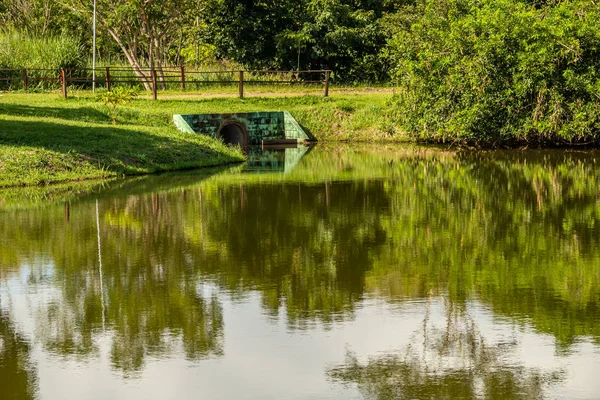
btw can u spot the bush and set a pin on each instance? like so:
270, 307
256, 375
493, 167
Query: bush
499, 71
113, 98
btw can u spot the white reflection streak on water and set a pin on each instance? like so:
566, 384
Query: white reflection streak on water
100, 266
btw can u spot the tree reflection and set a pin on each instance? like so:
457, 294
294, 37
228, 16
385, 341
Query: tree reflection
310, 256
18, 379
146, 298
449, 362
516, 230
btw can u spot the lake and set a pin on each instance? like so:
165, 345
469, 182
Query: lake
337, 272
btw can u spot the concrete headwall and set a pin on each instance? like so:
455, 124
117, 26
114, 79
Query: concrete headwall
260, 125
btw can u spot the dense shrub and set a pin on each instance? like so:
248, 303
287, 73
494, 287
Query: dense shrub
499, 71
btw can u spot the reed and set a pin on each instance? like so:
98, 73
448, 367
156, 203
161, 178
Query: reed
19, 50
43, 57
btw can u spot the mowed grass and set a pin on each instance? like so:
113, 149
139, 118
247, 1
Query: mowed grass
45, 138
354, 116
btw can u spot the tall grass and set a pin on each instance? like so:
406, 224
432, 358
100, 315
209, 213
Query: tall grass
43, 58
19, 50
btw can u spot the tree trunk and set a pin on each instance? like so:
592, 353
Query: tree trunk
132, 59
161, 73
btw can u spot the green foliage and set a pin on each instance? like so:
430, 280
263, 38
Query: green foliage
499, 71
42, 56
245, 30
199, 54
345, 36
41, 18
113, 98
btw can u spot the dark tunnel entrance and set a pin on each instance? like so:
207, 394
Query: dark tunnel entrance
234, 133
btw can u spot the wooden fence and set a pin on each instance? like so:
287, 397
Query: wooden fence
154, 80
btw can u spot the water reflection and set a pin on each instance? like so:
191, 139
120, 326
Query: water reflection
274, 158
448, 358
18, 378
168, 268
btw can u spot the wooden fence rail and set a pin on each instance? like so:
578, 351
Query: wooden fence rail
159, 80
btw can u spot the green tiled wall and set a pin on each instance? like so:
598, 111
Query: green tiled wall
260, 125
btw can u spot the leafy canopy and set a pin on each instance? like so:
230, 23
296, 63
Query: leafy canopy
498, 71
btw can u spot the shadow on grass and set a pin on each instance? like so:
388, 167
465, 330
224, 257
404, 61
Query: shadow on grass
115, 148
311, 136
83, 114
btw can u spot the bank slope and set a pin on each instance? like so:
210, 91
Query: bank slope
44, 144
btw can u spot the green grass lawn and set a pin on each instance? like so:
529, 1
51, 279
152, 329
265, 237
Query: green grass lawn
359, 116
45, 138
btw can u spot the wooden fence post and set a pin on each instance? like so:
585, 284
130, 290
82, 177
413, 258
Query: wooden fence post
326, 83
153, 78
25, 79
63, 76
108, 79
182, 78
241, 84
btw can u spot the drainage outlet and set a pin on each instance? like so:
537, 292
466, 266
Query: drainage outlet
234, 133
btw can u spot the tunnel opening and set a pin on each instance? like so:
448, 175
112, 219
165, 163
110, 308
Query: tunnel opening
234, 133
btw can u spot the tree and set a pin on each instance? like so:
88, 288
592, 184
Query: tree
34, 17
146, 31
343, 35
246, 30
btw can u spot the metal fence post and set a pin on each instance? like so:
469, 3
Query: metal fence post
108, 79
63, 75
241, 84
25, 79
153, 78
182, 77
326, 83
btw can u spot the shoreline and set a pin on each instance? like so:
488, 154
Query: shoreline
45, 139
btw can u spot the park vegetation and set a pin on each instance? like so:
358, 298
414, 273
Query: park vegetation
499, 71
465, 71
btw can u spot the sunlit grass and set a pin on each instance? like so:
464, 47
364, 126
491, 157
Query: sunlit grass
45, 139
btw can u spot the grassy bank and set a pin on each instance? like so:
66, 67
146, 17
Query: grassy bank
356, 116
46, 139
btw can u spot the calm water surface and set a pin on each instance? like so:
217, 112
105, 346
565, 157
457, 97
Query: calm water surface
336, 273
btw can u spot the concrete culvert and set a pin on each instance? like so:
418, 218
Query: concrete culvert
234, 133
